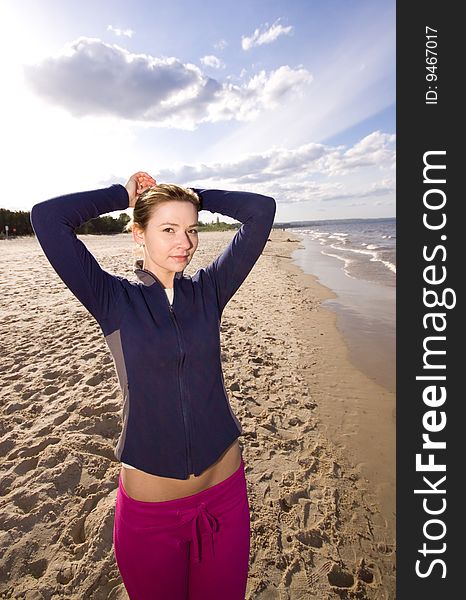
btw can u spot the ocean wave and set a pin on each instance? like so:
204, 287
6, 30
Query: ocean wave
347, 262
341, 237
375, 256
388, 264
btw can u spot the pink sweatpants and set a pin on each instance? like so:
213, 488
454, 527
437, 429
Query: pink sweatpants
191, 548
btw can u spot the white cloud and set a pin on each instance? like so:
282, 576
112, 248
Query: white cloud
263, 91
267, 36
91, 77
212, 61
300, 174
376, 149
301, 162
121, 32
221, 45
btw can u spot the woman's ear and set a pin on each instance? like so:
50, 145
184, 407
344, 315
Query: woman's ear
137, 235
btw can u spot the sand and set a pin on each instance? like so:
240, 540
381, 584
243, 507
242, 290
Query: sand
318, 444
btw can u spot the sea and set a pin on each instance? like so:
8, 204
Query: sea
356, 259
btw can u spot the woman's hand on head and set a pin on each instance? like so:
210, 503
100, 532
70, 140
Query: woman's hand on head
136, 184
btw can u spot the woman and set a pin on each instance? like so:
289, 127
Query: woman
182, 523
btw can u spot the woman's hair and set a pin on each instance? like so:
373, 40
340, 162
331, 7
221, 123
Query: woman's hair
156, 195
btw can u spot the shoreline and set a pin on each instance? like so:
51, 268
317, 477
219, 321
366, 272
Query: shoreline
356, 424
365, 312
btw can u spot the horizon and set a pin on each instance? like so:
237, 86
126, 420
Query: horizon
291, 100
310, 221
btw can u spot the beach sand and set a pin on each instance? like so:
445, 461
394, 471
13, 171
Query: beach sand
319, 443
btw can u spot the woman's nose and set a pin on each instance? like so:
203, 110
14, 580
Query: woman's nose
185, 241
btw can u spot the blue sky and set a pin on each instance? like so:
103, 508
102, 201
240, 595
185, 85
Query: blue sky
290, 99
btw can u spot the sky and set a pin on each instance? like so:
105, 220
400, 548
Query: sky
291, 99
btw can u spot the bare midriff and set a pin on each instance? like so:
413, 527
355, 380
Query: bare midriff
143, 486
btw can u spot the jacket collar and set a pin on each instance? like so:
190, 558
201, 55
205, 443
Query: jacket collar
147, 277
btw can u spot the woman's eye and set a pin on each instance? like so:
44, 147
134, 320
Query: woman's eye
194, 231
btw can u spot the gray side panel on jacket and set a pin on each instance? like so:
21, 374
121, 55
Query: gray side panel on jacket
233, 416
114, 343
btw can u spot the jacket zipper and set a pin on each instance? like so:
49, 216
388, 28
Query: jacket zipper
184, 407
180, 365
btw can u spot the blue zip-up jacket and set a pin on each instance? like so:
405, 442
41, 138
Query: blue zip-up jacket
176, 417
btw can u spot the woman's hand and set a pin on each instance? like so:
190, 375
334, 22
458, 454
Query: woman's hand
136, 184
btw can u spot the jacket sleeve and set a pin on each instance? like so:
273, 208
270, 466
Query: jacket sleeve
54, 222
256, 213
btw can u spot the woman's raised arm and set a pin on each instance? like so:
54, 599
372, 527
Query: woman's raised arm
54, 222
256, 213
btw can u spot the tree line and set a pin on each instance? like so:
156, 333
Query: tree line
18, 223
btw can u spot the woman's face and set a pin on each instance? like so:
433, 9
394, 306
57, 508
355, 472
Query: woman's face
170, 239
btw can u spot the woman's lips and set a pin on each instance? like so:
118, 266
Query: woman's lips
179, 258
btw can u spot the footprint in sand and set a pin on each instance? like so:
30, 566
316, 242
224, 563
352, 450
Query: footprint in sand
311, 537
60, 419
33, 450
95, 379
50, 389
51, 374
36, 568
28, 393
364, 573
26, 502
66, 476
289, 500
14, 407
26, 465
73, 379
338, 577
6, 445
79, 532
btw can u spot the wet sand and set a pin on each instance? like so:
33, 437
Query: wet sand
365, 309
318, 444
